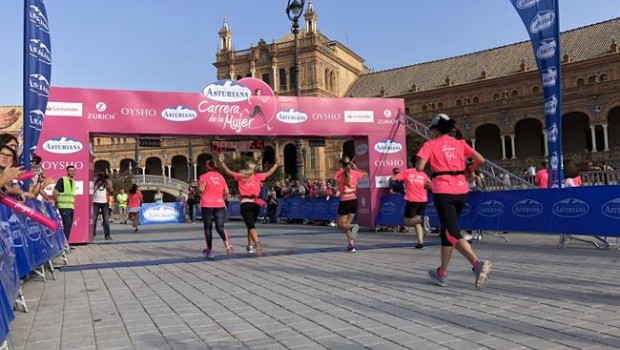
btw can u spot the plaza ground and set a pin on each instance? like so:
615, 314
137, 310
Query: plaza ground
154, 290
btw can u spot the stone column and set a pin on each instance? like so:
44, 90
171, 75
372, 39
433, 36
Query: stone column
503, 147
473, 143
195, 171
606, 137
512, 144
545, 143
593, 132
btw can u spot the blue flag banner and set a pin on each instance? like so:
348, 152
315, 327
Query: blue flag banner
542, 20
37, 76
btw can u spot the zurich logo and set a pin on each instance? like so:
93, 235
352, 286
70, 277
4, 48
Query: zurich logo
161, 213
62, 145
546, 49
527, 208
361, 149
387, 113
38, 18
551, 105
388, 146
179, 114
570, 208
549, 76
524, 4
491, 208
39, 51
542, 21
292, 116
388, 208
36, 119
227, 91
611, 209
39, 84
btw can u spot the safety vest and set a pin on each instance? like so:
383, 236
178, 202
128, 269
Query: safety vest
122, 200
66, 199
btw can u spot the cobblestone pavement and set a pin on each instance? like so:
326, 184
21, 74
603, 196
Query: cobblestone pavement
154, 290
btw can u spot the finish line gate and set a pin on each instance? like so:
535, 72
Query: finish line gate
247, 107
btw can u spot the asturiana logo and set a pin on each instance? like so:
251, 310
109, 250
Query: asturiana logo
527, 208
179, 114
388, 208
524, 4
542, 21
611, 209
546, 49
38, 18
388, 146
549, 76
161, 213
227, 91
361, 149
552, 132
551, 105
36, 119
62, 145
292, 116
570, 208
466, 210
39, 51
491, 208
39, 84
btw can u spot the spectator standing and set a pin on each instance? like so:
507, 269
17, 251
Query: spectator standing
447, 157
397, 187
541, 179
191, 202
121, 199
158, 197
64, 192
102, 187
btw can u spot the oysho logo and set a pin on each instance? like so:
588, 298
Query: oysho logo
611, 209
39, 51
227, 91
491, 208
326, 116
179, 114
47, 165
523, 4
101, 107
292, 116
527, 208
138, 112
35, 119
359, 116
38, 18
546, 49
161, 213
63, 145
39, 84
551, 105
388, 147
549, 76
570, 208
542, 21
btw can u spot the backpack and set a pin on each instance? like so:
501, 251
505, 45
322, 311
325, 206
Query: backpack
264, 193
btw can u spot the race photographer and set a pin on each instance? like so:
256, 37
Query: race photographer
101, 190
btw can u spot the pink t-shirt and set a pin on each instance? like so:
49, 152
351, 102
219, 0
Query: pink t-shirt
446, 153
215, 187
348, 192
415, 182
134, 200
542, 178
249, 186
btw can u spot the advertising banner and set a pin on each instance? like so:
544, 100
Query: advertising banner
162, 213
542, 20
37, 76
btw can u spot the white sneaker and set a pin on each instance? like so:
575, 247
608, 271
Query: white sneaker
468, 237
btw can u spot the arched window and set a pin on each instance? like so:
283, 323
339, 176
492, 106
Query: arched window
440, 105
535, 90
332, 81
592, 79
495, 96
459, 102
326, 79
581, 82
515, 93
424, 108
476, 99
602, 78
239, 77
282, 79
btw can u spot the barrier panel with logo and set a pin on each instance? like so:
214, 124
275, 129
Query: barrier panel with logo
246, 109
162, 213
588, 210
392, 211
298, 208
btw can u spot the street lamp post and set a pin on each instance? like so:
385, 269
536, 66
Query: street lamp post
294, 9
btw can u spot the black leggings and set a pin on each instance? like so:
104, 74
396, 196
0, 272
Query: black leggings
449, 208
208, 214
249, 213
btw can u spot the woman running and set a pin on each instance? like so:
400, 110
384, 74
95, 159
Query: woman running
249, 194
347, 178
447, 157
134, 203
214, 190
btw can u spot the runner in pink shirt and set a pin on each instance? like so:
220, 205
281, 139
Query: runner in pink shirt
447, 156
347, 179
214, 190
416, 185
134, 203
541, 179
249, 194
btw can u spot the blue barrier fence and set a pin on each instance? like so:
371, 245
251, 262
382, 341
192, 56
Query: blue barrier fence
162, 213
24, 246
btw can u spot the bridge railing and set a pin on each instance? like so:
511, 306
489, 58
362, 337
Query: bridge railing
160, 180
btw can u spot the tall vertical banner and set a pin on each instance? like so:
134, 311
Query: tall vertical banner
37, 75
542, 20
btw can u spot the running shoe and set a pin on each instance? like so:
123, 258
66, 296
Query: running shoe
259, 248
351, 249
438, 280
482, 270
420, 246
354, 229
229, 248
250, 249
468, 237
208, 253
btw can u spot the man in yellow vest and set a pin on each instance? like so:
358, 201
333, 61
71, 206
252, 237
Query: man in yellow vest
64, 192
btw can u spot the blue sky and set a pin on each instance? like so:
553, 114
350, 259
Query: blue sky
170, 45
